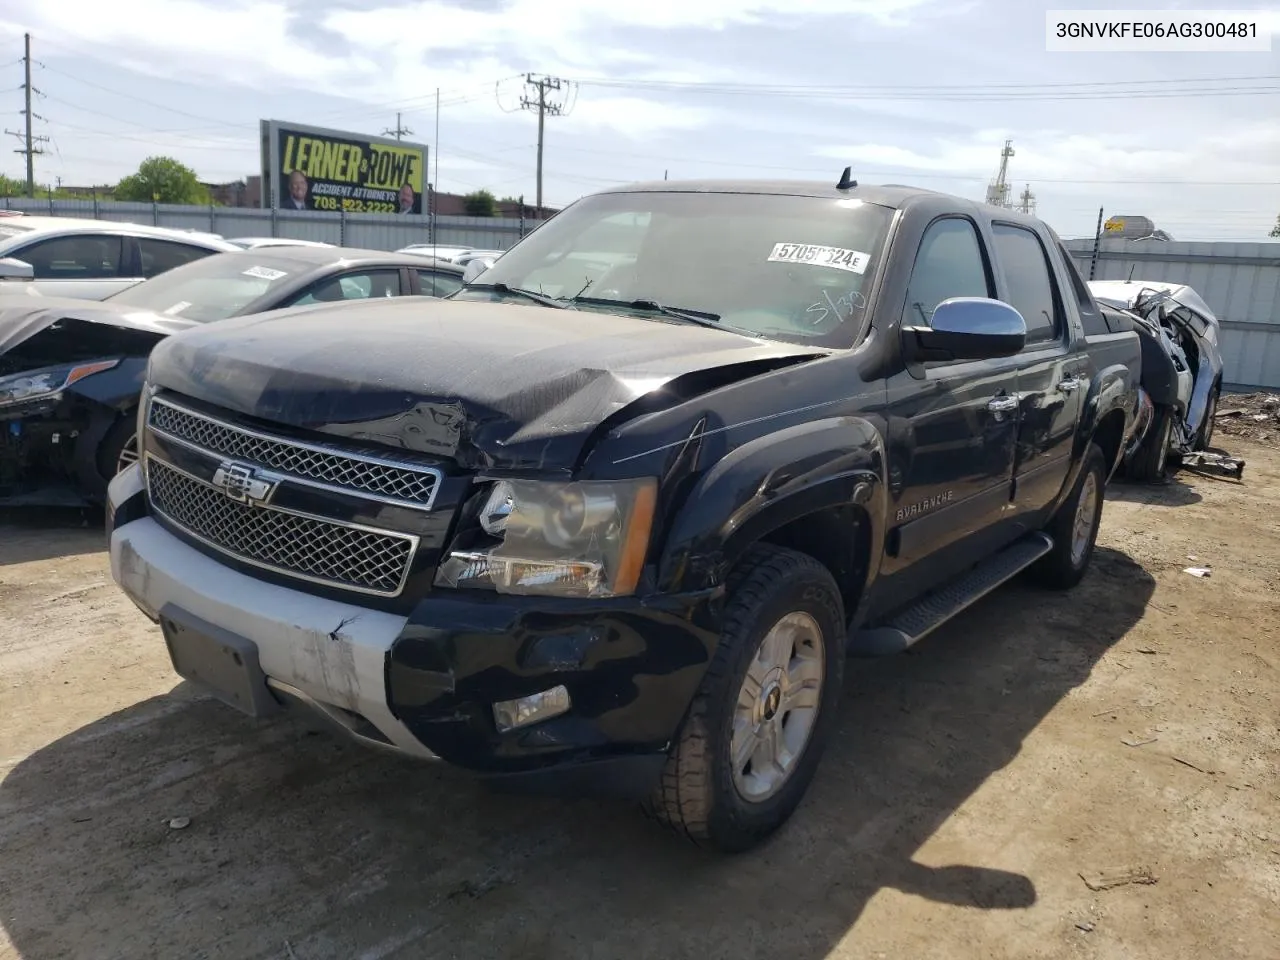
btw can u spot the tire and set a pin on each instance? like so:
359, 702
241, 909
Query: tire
702, 793
117, 449
1074, 527
1150, 464
1204, 436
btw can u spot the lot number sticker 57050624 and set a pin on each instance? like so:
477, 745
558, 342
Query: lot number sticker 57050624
838, 258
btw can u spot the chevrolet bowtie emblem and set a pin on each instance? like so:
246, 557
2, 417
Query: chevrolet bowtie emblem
241, 483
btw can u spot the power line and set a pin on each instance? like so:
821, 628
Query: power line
1022, 85
398, 131
31, 144
544, 107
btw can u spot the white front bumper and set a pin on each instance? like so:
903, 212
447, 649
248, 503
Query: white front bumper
335, 653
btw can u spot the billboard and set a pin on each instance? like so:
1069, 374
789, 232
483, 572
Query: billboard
314, 168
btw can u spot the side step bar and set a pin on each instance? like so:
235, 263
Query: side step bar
912, 624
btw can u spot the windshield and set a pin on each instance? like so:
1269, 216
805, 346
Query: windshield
782, 267
211, 288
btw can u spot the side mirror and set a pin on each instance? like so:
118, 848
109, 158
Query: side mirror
476, 267
11, 268
967, 328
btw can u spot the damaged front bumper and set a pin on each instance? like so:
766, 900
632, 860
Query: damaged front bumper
427, 684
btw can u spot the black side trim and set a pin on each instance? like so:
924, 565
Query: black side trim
934, 531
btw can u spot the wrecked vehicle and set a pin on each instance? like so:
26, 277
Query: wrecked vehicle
71, 369
611, 519
1181, 370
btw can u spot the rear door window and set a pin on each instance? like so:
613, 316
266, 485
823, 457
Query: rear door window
438, 284
357, 285
1032, 291
161, 255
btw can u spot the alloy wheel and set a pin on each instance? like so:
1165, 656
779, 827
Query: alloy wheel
777, 706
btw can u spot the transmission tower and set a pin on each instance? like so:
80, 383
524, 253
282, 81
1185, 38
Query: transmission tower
398, 131
538, 100
1027, 201
31, 144
998, 189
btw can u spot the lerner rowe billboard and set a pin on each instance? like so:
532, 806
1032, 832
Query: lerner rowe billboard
313, 168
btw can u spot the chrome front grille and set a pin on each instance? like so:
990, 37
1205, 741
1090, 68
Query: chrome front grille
315, 549
401, 482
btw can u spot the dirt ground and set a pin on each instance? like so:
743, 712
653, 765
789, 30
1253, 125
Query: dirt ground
1128, 726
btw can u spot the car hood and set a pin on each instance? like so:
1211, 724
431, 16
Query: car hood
485, 384
22, 317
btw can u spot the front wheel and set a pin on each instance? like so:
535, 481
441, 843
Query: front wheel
1204, 436
117, 451
1150, 463
759, 723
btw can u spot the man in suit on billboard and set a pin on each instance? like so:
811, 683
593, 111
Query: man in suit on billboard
407, 199
298, 186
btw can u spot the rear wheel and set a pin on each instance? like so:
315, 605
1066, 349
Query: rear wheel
1074, 528
760, 721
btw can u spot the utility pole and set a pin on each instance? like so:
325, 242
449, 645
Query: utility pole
545, 108
30, 142
398, 131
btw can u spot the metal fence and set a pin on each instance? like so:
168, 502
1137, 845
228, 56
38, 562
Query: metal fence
1239, 281
367, 230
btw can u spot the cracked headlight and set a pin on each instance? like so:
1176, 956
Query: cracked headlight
558, 539
47, 381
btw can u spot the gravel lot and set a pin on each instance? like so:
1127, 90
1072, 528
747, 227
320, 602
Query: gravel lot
1128, 728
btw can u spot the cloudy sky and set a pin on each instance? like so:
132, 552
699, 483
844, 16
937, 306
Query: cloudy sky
907, 91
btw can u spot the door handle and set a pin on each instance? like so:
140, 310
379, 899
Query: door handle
1069, 385
1003, 404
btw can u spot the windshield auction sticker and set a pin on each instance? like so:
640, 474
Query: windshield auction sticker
837, 258
264, 273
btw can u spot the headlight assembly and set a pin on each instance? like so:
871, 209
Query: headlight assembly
47, 381
559, 539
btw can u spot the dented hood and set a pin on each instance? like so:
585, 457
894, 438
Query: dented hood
486, 384
22, 317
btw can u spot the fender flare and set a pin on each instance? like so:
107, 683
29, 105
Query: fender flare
766, 483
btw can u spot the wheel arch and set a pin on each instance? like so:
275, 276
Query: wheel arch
817, 488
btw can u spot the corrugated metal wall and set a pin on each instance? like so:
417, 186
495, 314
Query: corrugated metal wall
1240, 281
368, 230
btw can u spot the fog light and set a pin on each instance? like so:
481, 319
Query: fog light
513, 714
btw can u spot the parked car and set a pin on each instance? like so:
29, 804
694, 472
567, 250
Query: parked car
612, 519
70, 370
92, 259
432, 250
256, 243
1181, 369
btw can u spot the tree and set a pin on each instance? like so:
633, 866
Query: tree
1275, 231
163, 180
479, 204
10, 187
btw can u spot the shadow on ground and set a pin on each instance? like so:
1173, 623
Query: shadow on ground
1175, 492
302, 846
31, 534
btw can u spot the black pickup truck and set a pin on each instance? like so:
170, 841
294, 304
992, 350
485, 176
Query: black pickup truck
611, 518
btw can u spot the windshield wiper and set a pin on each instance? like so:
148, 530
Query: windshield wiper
700, 317
521, 292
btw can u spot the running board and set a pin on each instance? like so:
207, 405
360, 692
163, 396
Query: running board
922, 618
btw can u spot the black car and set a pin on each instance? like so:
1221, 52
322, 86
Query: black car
71, 369
611, 517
